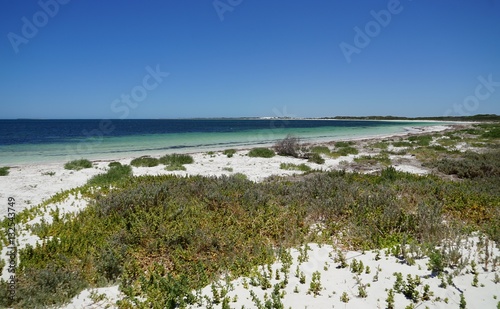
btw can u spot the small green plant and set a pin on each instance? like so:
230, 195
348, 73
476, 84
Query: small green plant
344, 297
228, 169
316, 158
315, 285
463, 303
261, 152
475, 281
114, 164
175, 167
77, 165
399, 283
298, 167
390, 299
302, 278
145, 161
362, 291
176, 159
341, 259
436, 263
114, 174
48, 173
4, 171
229, 152
321, 149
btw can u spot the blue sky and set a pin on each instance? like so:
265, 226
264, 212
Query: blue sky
231, 58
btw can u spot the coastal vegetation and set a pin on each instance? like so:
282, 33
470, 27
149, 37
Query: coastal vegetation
229, 152
4, 171
77, 165
162, 238
261, 152
145, 161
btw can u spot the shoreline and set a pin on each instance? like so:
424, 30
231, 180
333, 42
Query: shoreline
116, 148
33, 183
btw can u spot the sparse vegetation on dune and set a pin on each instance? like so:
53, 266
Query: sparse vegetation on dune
77, 165
163, 237
145, 161
261, 152
4, 171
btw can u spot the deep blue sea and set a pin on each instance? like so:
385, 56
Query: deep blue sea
30, 141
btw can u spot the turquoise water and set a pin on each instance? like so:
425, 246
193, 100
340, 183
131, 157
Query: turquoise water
128, 145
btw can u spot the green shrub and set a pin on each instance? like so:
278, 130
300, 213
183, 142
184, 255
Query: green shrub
421, 140
46, 287
175, 167
4, 171
380, 145
316, 158
116, 172
229, 152
261, 152
114, 164
492, 133
299, 167
145, 161
321, 150
471, 165
382, 158
77, 165
176, 159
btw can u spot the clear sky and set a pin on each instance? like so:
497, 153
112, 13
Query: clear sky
231, 58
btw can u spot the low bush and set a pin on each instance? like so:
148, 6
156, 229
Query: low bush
344, 151
145, 161
77, 165
176, 159
471, 165
421, 140
175, 167
229, 152
379, 158
316, 158
289, 146
4, 171
116, 172
299, 167
344, 144
321, 150
114, 164
380, 145
261, 152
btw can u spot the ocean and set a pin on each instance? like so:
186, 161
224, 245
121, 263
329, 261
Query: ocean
36, 141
